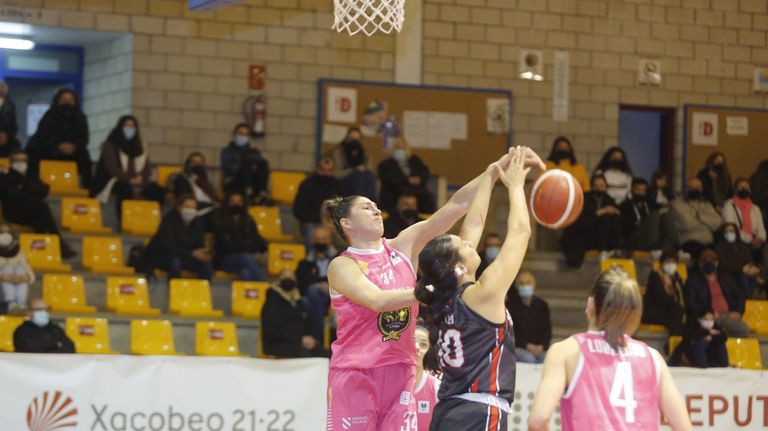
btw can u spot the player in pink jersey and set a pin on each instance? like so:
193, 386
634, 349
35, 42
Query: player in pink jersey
604, 379
427, 385
373, 363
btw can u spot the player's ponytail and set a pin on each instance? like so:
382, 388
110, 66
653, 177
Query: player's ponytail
337, 208
436, 288
618, 306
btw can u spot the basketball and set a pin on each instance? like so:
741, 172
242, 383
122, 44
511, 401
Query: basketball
556, 199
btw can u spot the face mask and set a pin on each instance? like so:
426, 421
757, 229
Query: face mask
235, 209
40, 318
320, 248
241, 140
188, 214
708, 267
670, 268
743, 193
707, 324
198, 170
399, 155
638, 198
561, 155
730, 237
694, 194
718, 168
616, 164
129, 132
599, 193
492, 252
411, 214
287, 284
5, 239
20, 167
525, 290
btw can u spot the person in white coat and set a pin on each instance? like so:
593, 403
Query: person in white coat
741, 211
15, 272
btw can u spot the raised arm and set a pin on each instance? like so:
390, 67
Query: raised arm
472, 228
346, 278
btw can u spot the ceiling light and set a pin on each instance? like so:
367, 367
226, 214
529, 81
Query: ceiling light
11, 43
15, 28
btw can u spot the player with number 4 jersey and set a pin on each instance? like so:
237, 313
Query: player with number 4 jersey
604, 379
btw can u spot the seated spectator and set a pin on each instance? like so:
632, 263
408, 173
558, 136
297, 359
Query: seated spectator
404, 172
312, 279
15, 273
406, 214
489, 252
735, 259
618, 176
352, 171
179, 242
286, 331
747, 216
533, 328
62, 134
243, 167
694, 219
193, 180
23, 198
660, 194
8, 123
123, 169
562, 157
716, 180
39, 334
759, 184
8, 145
664, 298
703, 343
640, 225
237, 240
312, 192
598, 226
709, 288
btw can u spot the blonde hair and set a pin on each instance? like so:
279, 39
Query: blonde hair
618, 305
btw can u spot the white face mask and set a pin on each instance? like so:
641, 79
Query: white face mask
707, 324
670, 268
730, 237
241, 140
525, 290
188, 214
20, 167
40, 318
5, 239
129, 132
399, 155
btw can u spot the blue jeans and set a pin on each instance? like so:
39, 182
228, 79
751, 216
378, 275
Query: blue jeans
523, 355
316, 304
174, 264
244, 265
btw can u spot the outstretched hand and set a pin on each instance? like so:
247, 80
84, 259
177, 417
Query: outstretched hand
515, 172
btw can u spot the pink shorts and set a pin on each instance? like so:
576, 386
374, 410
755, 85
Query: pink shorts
371, 399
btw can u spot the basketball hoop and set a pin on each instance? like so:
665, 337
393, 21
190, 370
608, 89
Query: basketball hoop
368, 16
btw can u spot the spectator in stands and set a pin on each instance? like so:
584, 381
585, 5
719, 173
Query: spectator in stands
703, 343
598, 226
39, 334
123, 169
404, 172
286, 329
244, 169
8, 145
741, 211
664, 298
23, 198
352, 171
735, 258
406, 214
15, 273
716, 180
533, 328
640, 225
237, 240
614, 166
62, 134
8, 122
660, 197
562, 157
759, 184
312, 279
312, 192
489, 251
179, 243
193, 180
694, 219
707, 287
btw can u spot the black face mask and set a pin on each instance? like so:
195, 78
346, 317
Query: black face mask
561, 155
287, 284
320, 248
743, 193
638, 198
708, 267
718, 168
236, 209
694, 195
616, 164
411, 214
198, 170
598, 193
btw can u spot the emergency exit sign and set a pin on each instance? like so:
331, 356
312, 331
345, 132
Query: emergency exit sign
210, 5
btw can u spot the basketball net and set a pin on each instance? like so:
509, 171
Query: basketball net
368, 16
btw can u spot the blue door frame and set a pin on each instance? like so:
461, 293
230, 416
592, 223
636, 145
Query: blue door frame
75, 79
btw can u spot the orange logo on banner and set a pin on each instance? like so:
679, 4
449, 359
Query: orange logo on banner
52, 411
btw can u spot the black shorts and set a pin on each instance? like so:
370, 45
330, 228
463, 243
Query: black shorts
456, 414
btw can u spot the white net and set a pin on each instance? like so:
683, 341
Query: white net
368, 16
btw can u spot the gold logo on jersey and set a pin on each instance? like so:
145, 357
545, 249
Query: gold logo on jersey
363, 266
393, 323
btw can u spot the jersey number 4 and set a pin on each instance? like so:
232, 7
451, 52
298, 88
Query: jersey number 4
451, 349
622, 391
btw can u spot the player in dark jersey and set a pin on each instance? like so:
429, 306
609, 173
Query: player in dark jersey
470, 329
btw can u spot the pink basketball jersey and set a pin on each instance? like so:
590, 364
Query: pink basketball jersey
425, 396
612, 391
366, 339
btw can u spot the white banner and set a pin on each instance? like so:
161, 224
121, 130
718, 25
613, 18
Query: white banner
168, 393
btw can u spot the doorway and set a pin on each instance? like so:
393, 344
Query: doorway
647, 135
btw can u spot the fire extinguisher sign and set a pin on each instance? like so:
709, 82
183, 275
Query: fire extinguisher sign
705, 128
257, 76
342, 105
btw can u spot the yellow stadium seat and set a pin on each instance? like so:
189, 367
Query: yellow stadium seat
268, 222
43, 252
62, 177
659, 329
190, 297
90, 335
756, 316
216, 339
628, 265
744, 353
5, 163
104, 255
682, 269
282, 256
165, 172
140, 217
129, 295
152, 337
8, 325
65, 293
284, 185
674, 341
248, 297
82, 215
